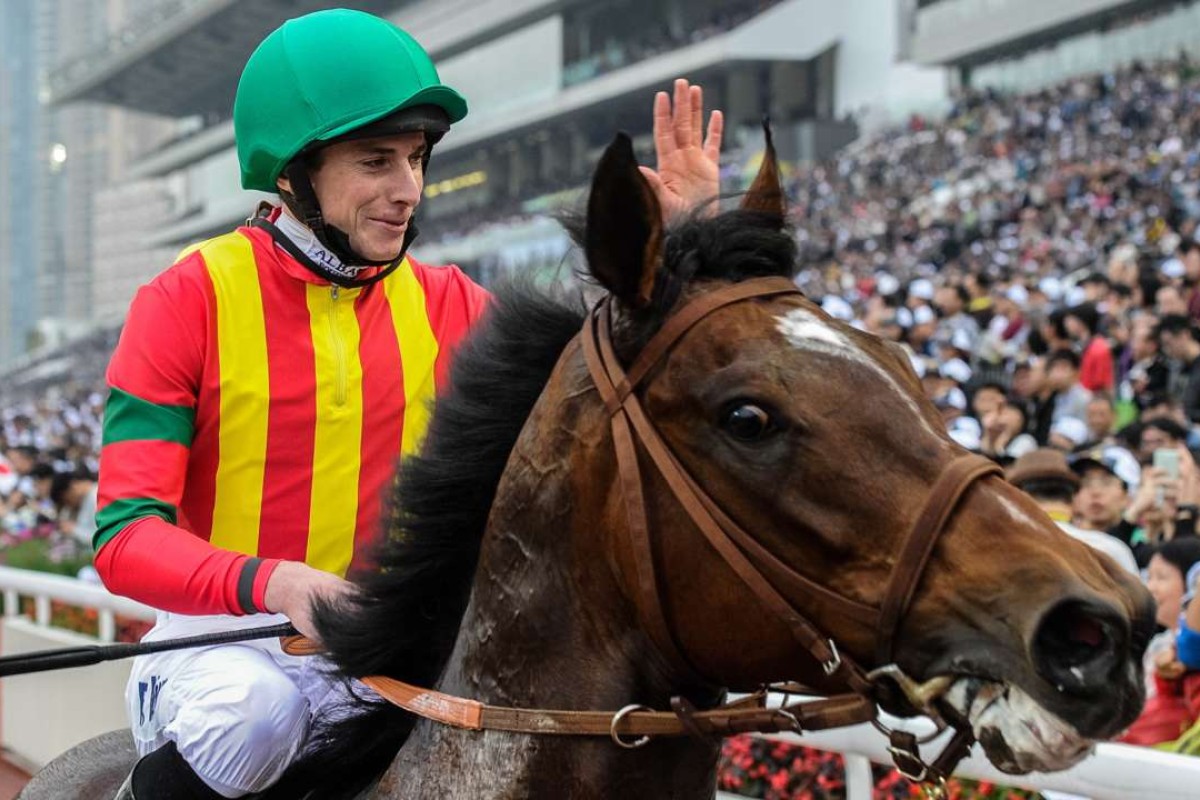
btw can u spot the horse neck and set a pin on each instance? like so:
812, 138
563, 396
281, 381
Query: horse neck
548, 627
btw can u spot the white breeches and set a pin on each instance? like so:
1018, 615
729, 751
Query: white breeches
239, 714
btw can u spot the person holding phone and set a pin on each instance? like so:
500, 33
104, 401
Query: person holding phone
1163, 507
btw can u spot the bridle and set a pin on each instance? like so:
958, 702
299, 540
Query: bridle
763, 573
760, 570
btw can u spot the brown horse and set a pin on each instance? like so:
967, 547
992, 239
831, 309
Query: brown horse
510, 576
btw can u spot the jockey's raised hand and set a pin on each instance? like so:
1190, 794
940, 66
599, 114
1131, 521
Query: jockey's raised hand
688, 158
294, 586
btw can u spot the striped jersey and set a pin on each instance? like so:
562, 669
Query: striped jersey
260, 409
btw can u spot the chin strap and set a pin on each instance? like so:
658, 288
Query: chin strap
309, 207
327, 271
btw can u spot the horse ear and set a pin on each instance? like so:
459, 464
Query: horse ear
623, 239
766, 192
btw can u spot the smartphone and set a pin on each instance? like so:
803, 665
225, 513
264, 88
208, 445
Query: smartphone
1167, 459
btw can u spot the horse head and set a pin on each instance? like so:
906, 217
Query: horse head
815, 442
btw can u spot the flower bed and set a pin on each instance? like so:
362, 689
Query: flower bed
755, 767
58, 554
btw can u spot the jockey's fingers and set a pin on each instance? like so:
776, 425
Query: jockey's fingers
664, 134
712, 141
682, 117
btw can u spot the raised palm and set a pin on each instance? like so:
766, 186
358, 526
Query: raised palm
688, 160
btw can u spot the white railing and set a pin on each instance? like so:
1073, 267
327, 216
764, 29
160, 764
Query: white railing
1114, 772
43, 714
45, 588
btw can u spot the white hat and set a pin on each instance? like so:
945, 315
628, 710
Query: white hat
956, 370
1017, 294
967, 432
952, 398
960, 339
837, 308
922, 315
1115, 459
1051, 287
886, 283
1072, 428
921, 288
1172, 268
904, 317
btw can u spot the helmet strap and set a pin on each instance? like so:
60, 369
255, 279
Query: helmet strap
322, 270
308, 208
336, 240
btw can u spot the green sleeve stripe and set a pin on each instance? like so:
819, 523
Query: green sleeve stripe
113, 518
127, 418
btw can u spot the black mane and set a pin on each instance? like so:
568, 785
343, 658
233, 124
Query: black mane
406, 620
732, 246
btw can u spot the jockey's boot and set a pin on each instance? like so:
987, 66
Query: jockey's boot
164, 775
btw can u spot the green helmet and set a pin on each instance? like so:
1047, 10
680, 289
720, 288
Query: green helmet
323, 75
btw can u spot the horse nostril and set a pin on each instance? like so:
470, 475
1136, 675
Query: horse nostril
1076, 646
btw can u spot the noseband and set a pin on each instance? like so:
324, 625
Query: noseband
771, 580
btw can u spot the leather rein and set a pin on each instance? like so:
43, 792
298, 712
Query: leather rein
763, 573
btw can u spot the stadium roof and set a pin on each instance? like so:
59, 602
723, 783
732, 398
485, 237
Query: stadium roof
970, 32
184, 56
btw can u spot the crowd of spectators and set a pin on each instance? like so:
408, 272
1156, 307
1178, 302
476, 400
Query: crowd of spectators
1038, 257
49, 450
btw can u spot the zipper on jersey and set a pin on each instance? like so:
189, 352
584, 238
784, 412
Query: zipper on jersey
339, 356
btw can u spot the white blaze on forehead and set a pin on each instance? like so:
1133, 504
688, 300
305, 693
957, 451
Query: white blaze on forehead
800, 325
807, 331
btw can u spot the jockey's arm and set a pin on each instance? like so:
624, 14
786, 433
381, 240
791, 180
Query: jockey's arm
141, 550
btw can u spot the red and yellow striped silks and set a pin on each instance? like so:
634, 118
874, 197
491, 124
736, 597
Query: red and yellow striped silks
262, 409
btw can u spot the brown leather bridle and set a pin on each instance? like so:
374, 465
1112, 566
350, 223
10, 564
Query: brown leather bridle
761, 571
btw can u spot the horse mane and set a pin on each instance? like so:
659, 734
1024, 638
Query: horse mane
405, 620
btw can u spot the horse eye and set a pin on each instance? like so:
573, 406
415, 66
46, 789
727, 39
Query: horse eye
748, 423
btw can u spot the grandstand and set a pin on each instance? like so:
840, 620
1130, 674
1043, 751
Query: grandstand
549, 82
1026, 44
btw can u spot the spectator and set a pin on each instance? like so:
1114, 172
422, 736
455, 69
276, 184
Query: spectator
1062, 378
1046, 476
1003, 436
956, 326
1096, 363
1162, 508
1101, 420
1148, 374
1178, 342
1104, 483
74, 499
1169, 302
1158, 433
1173, 697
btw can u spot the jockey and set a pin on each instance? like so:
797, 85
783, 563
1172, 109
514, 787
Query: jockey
265, 384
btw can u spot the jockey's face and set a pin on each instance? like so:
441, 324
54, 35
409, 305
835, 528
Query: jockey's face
369, 188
